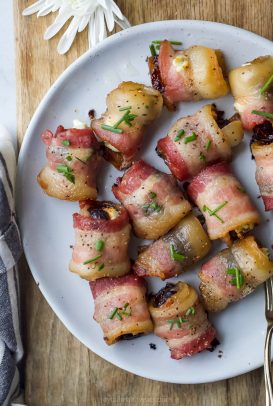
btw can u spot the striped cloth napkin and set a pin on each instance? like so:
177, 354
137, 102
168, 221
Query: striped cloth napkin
10, 250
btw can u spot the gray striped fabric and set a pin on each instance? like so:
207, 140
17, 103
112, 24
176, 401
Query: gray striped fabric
10, 251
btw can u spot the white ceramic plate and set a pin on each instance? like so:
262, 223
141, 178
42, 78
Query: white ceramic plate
46, 223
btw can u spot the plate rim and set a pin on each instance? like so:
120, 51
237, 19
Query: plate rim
22, 154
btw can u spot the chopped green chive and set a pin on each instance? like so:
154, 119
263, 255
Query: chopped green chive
67, 172
208, 145
238, 279
127, 118
179, 135
69, 158
66, 143
152, 195
266, 85
190, 138
113, 313
101, 266
191, 311
214, 211
202, 157
125, 108
152, 49
177, 321
83, 162
112, 129
176, 255
171, 42
120, 312
151, 207
99, 245
262, 113
92, 260
241, 189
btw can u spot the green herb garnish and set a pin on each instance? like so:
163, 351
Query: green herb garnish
176, 255
190, 138
191, 311
202, 157
125, 108
92, 260
127, 118
112, 129
101, 266
152, 49
179, 135
208, 145
121, 312
67, 172
171, 42
66, 143
214, 211
152, 207
266, 85
69, 158
238, 279
113, 313
83, 162
262, 113
152, 195
99, 245
177, 321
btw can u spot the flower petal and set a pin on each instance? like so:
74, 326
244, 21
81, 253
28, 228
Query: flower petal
109, 19
33, 8
55, 27
69, 36
83, 22
123, 23
46, 9
116, 10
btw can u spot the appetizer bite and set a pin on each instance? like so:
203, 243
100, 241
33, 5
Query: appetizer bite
196, 141
234, 273
73, 161
172, 254
102, 232
262, 150
192, 74
154, 202
130, 107
227, 209
251, 88
180, 319
121, 308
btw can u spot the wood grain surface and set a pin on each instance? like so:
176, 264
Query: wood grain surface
58, 369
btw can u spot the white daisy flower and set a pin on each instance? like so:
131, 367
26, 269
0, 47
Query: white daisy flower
96, 14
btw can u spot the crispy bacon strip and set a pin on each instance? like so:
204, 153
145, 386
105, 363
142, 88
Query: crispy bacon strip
219, 283
196, 141
246, 83
154, 202
102, 232
121, 307
180, 319
191, 74
73, 161
223, 201
262, 150
144, 105
172, 254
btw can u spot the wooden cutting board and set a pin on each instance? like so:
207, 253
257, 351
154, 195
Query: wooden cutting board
58, 369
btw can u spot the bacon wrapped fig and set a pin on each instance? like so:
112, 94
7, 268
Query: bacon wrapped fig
262, 150
196, 141
192, 74
130, 107
121, 308
223, 201
179, 318
172, 254
102, 233
73, 160
234, 273
154, 202
250, 86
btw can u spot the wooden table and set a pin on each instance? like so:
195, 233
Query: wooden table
59, 370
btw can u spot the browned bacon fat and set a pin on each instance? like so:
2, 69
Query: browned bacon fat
121, 307
192, 74
154, 202
102, 232
196, 141
73, 160
262, 150
249, 87
234, 273
223, 202
172, 254
130, 107
180, 319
